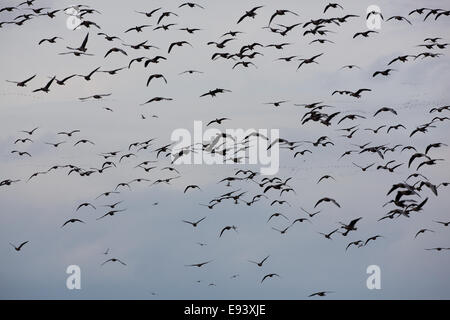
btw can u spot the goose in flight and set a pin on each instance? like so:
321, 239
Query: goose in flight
227, 228
83, 47
49, 40
350, 227
440, 109
62, 82
114, 260
36, 174
259, 264
401, 59
350, 67
214, 92
325, 177
84, 141
192, 186
72, 221
433, 12
303, 152
385, 109
113, 71
277, 103
434, 145
277, 214
127, 156
333, 6
20, 246
156, 99
194, 224
320, 293
150, 13
300, 220
375, 131
189, 72
445, 224
156, 76
115, 50
356, 94
29, 3
326, 199
429, 163
107, 194
280, 202
220, 45
442, 13
107, 37
95, 96
7, 182
217, 120
46, 88
22, 83
270, 275
178, 44
191, 30
138, 28
245, 64
165, 15
281, 13
111, 213
311, 215
165, 27
308, 61
249, 14
190, 5
399, 18
418, 11
9, 9
76, 53
328, 235
198, 265
358, 243
56, 145
383, 72
210, 206
321, 41
372, 239
86, 204
396, 127
69, 134
364, 169
21, 153
154, 60
113, 206
231, 34
422, 231
30, 133
364, 34
286, 59
374, 13
88, 77
283, 231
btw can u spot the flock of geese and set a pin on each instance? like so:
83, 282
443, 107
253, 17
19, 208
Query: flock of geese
405, 199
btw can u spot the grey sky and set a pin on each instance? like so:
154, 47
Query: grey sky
152, 240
